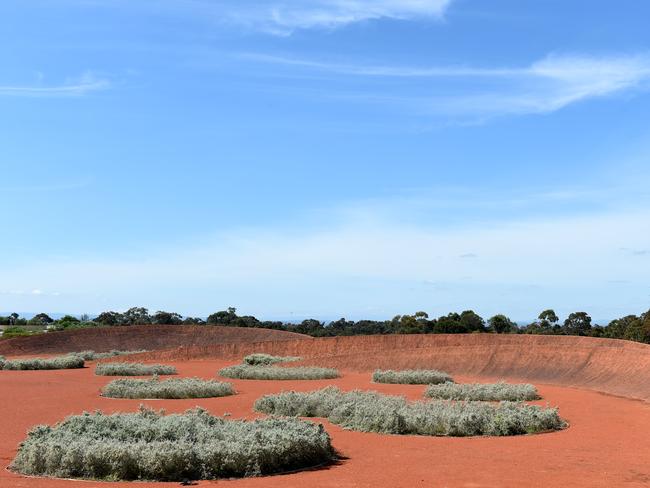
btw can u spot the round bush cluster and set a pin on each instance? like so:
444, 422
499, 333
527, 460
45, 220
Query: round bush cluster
246, 372
61, 362
133, 369
175, 388
485, 392
411, 377
151, 446
93, 356
373, 412
267, 359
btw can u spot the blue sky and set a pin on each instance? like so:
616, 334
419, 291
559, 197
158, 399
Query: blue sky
325, 158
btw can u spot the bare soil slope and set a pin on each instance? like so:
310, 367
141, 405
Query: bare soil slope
606, 365
149, 337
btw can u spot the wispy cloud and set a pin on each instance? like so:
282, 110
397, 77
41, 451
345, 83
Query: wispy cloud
547, 85
285, 17
74, 87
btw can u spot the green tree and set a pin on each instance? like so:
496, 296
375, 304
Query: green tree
472, 321
110, 319
501, 324
639, 329
166, 318
577, 323
137, 316
41, 319
548, 318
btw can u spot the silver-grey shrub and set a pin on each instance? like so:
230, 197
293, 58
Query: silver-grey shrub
483, 392
133, 369
93, 356
267, 359
373, 412
246, 372
174, 388
411, 376
152, 446
59, 362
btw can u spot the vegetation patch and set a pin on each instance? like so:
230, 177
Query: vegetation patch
373, 412
60, 362
171, 388
133, 369
149, 445
94, 356
247, 372
483, 392
260, 359
411, 377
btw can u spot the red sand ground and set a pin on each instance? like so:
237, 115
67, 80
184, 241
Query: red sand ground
606, 445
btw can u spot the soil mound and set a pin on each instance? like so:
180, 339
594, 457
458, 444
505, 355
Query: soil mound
149, 337
606, 365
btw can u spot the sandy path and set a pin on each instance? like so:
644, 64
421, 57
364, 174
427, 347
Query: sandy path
607, 444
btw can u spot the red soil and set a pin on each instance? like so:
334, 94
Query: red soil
606, 445
139, 337
606, 365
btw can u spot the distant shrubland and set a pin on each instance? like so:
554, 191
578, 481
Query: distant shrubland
630, 327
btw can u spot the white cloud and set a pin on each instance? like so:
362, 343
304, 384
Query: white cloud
367, 260
544, 86
283, 17
287, 16
79, 86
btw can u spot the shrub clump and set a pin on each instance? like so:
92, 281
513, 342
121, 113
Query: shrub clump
151, 446
60, 362
373, 412
172, 388
94, 356
411, 377
133, 369
267, 359
246, 372
483, 392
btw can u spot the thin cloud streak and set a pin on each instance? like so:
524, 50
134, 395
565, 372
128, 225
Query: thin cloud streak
86, 84
545, 86
284, 18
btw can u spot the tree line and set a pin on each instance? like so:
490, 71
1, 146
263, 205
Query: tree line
630, 327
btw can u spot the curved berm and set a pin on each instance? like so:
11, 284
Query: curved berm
140, 337
606, 365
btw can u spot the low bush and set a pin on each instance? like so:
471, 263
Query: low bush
267, 359
133, 369
151, 446
94, 356
483, 392
373, 412
60, 362
172, 388
2, 361
246, 372
411, 376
